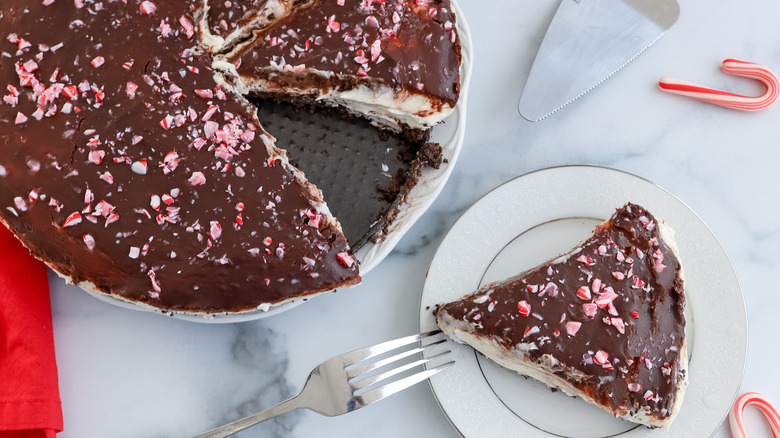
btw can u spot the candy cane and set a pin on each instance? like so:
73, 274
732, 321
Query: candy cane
761, 402
729, 100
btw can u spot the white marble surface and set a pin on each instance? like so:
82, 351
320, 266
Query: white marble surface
134, 374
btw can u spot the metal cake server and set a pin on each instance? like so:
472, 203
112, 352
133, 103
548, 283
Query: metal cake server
586, 43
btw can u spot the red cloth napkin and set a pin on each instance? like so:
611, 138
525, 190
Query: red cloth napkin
30, 404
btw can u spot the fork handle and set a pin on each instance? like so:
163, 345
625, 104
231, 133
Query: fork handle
246, 422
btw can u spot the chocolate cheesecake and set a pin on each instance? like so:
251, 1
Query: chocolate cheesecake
133, 167
603, 322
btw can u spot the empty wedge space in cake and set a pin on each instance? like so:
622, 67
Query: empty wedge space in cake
603, 322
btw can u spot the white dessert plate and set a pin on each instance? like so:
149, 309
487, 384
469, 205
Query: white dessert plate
449, 134
540, 215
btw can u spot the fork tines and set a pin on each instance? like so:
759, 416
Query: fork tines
350, 381
371, 380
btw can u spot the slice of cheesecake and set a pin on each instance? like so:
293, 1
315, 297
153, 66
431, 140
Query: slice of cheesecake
603, 322
395, 62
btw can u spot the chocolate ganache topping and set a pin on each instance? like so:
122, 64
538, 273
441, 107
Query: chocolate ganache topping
405, 44
126, 163
610, 314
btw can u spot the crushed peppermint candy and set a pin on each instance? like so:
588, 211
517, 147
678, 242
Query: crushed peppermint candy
148, 7
346, 259
89, 241
197, 179
524, 308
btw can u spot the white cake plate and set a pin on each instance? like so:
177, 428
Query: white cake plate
539, 216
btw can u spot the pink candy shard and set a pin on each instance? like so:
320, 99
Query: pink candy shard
148, 7
524, 308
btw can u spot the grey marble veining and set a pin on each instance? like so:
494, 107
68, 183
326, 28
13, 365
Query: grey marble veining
257, 348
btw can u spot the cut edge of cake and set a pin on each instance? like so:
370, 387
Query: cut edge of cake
383, 106
315, 195
517, 360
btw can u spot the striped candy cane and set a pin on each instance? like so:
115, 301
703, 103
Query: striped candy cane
729, 100
761, 402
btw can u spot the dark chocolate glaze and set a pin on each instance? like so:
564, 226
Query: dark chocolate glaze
642, 334
400, 43
217, 222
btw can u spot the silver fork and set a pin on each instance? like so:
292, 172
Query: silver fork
345, 382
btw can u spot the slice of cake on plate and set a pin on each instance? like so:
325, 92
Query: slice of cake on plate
603, 322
